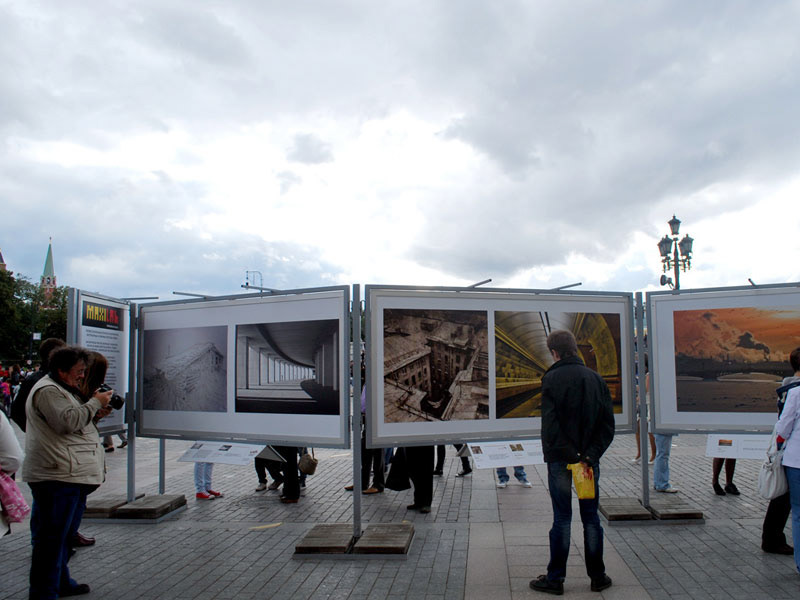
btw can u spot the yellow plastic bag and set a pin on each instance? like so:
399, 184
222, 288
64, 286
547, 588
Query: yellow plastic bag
583, 478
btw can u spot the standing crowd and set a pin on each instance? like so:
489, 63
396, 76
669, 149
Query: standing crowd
59, 406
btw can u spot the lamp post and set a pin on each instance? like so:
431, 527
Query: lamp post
675, 255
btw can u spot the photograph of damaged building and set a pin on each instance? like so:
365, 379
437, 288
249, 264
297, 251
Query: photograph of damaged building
185, 369
522, 357
291, 367
435, 365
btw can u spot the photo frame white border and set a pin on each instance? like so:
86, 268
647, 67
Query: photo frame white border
331, 431
379, 298
665, 417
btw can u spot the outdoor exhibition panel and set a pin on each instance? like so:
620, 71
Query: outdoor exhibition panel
454, 366
260, 368
102, 324
718, 355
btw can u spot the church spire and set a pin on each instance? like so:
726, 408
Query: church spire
48, 281
2, 262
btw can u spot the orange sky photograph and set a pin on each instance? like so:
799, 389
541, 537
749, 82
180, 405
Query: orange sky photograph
747, 334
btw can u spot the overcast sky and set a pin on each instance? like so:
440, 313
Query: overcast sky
174, 145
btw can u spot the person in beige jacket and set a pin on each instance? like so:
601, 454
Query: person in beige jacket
64, 462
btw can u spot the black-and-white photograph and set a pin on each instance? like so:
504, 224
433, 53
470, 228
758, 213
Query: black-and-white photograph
186, 369
289, 367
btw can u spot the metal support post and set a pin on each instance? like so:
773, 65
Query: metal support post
130, 413
355, 404
644, 446
162, 466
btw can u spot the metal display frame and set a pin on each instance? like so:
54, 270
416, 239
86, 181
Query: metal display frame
489, 300
662, 351
298, 438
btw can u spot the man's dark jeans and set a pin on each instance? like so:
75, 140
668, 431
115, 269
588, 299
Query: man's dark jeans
57, 511
559, 479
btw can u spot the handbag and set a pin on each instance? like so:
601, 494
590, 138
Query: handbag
308, 463
772, 478
13, 504
398, 479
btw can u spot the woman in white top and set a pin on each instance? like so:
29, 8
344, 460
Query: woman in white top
788, 430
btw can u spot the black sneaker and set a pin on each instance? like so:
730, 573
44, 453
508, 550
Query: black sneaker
779, 549
601, 583
543, 584
731, 489
464, 473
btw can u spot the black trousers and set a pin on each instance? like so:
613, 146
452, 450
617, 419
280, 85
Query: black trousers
420, 471
440, 453
464, 459
772, 535
289, 473
264, 465
372, 459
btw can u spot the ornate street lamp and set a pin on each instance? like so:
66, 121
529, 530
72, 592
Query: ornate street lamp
675, 255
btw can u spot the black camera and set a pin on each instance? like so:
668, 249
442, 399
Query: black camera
116, 401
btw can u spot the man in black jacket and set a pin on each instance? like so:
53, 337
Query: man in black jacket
577, 427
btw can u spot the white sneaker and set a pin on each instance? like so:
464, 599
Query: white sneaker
668, 490
501, 484
636, 461
261, 486
526, 483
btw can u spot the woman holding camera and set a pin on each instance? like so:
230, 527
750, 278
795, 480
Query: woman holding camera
63, 464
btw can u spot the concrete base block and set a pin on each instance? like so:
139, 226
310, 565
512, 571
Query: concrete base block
150, 507
385, 538
104, 508
327, 538
672, 506
624, 509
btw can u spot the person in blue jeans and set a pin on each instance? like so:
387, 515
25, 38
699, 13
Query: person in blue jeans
577, 427
661, 466
202, 481
663, 447
519, 473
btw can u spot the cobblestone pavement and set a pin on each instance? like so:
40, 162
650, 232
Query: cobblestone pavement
479, 542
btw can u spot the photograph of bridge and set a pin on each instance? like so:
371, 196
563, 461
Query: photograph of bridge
435, 365
733, 359
522, 357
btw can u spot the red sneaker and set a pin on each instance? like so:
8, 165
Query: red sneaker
203, 496
215, 494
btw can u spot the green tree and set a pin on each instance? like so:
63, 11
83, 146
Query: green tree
12, 331
23, 310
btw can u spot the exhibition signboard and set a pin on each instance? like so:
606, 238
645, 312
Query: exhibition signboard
463, 365
717, 356
262, 368
102, 324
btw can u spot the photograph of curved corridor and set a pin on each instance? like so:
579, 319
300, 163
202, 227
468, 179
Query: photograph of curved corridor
291, 367
435, 365
522, 357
